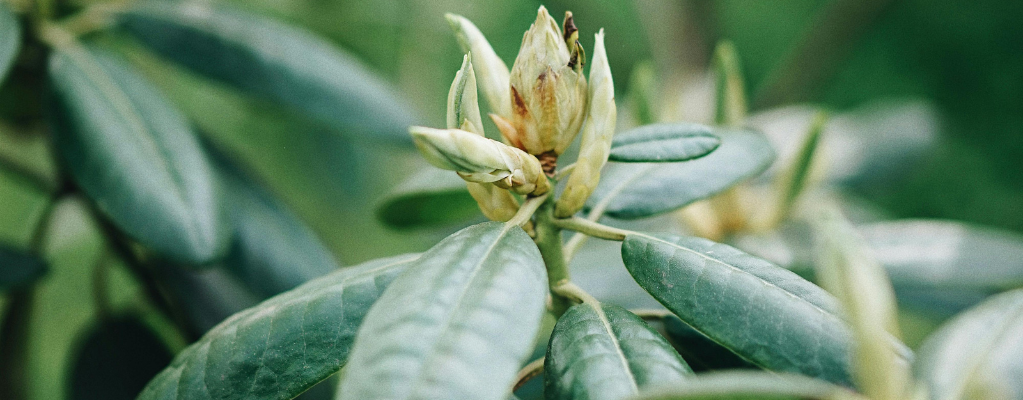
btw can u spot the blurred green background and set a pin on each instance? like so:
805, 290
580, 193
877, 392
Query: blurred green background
964, 57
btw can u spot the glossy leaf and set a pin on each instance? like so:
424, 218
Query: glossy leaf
135, 155
115, 360
978, 354
18, 268
431, 197
663, 143
699, 351
273, 60
456, 325
762, 312
748, 385
646, 189
10, 39
284, 345
602, 351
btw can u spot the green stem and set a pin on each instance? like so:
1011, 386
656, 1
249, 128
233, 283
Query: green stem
527, 210
530, 371
575, 293
548, 240
591, 228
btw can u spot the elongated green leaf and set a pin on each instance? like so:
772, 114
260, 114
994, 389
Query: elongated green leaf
284, 345
699, 351
457, 325
135, 155
643, 190
18, 268
10, 39
730, 89
602, 351
273, 60
116, 359
762, 312
431, 197
663, 143
977, 355
737, 385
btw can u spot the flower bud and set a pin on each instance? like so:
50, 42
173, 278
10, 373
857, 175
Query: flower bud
478, 159
597, 133
493, 72
548, 89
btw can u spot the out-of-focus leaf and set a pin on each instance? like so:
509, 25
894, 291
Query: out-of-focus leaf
748, 385
135, 155
643, 93
206, 297
10, 39
18, 268
457, 325
977, 355
273, 60
116, 359
699, 351
663, 143
730, 89
602, 351
797, 175
642, 190
284, 345
430, 197
762, 312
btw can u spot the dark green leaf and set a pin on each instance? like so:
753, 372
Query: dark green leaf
749, 385
457, 325
663, 143
283, 346
18, 268
762, 312
10, 39
699, 351
116, 359
431, 197
643, 190
977, 355
273, 60
135, 156
206, 297
602, 351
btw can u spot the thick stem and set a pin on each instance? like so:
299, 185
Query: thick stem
548, 240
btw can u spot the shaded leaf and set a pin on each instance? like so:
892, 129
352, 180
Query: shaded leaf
10, 39
206, 297
663, 143
602, 351
116, 359
135, 155
699, 351
457, 325
978, 354
274, 60
431, 197
736, 385
18, 268
284, 345
642, 190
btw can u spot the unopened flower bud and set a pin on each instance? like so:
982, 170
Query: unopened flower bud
493, 72
478, 159
597, 133
548, 89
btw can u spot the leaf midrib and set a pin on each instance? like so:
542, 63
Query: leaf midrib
617, 345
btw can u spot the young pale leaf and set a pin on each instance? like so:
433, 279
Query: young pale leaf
283, 346
643, 95
431, 197
736, 385
273, 60
641, 190
135, 155
456, 325
602, 351
977, 355
18, 268
761, 312
699, 351
663, 143
795, 178
115, 360
730, 93
10, 39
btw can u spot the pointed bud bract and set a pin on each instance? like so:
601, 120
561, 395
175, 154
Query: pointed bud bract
481, 160
493, 72
463, 103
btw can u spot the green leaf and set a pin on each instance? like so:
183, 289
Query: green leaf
456, 325
18, 268
978, 354
797, 174
642, 190
762, 312
730, 89
602, 351
643, 93
699, 351
284, 345
663, 143
431, 197
10, 39
736, 385
273, 60
115, 360
135, 155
